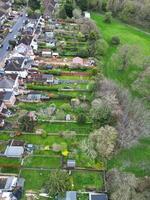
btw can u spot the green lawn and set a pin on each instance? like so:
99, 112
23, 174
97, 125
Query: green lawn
87, 180
59, 127
34, 179
35, 106
135, 159
127, 35
46, 161
9, 161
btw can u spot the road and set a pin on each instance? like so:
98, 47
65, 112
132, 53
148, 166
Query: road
10, 36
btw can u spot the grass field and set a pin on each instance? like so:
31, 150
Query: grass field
59, 127
135, 159
87, 180
127, 35
39, 161
34, 179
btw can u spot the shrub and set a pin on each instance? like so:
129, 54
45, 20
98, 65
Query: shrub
26, 124
108, 17
102, 116
115, 40
60, 115
66, 107
81, 118
94, 71
68, 134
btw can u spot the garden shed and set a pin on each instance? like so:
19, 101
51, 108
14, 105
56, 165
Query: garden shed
98, 196
71, 164
71, 195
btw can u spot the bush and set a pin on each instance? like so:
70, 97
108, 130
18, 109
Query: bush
102, 116
101, 48
44, 134
108, 17
94, 71
81, 118
60, 115
66, 107
115, 40
26, 124
68, 134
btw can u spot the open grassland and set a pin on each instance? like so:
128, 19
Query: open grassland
135, 159
127, 35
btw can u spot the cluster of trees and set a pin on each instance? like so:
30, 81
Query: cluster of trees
124, 186
132, 119
57, 184
100, 144
26, 124
34, 6
131, 11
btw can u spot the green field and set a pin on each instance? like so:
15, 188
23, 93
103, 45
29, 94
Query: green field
46, 161
135, 159
87, 180
59, 127
127, 35
34, 179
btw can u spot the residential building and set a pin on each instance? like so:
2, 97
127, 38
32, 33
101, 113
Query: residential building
11, 187
9, 83
16, 65
8, 98
2, 17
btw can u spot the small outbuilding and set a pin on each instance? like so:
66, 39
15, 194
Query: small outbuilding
71, 164
71, 195
15, 149
98, 196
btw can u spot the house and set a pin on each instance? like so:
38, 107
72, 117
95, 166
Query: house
98, 196
15, 149
24, 50
9, 83
4, 112
77, 61
10, 186
2, 122
17, 65
48, 78
34, 44
2, 17
26, 39
5, 6
8, 98
2, 106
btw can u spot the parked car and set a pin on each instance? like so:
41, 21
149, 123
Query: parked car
1, 45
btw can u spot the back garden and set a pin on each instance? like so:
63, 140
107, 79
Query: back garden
59, 124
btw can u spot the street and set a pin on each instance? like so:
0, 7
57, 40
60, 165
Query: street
10, 36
